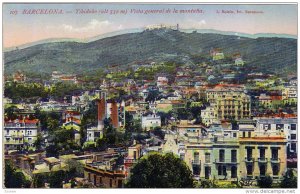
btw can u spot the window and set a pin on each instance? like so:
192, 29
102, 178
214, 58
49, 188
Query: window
262, 170
182, 156
279, 126
196, 156
220, 170
120, 184
134, 155
262, 153
275, 170
233, 156
274, 154
233, 172
293, 136
207, 157
249, 153
234, 135
244, 133
293, 146
221, 155
224, 171
293, 126
249, 133
207, 172
110, 183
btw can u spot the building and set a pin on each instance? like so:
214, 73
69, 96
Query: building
116, 111
289, 94
19, 77
230, 102
71, 120
239, 62
198, 156
208, 115
134, 153
150, 122
280, 125
104, 170
20, 133
94, 133
162, 81
261, 156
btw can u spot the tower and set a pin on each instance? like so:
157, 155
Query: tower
114, 114
101, 113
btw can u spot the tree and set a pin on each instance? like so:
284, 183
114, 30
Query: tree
38, 142
265, 182
289, 180
160, 171
39, 180
14, 178
52, 151
56, 178
10, 112
75, 168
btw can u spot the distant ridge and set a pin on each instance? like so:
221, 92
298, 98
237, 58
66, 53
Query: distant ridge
264, 54
136, 30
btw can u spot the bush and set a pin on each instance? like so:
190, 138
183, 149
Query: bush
265, 182
289, 180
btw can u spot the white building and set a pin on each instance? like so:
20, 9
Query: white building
93, 133
19, 134
277, 126
150, 122
162, 81
208, 115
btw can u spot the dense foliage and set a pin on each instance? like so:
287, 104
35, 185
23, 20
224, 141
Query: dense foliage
160, 171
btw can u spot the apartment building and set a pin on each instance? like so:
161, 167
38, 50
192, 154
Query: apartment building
20, 133
230, 101
262, 155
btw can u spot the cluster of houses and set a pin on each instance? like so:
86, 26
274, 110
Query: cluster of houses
234, 140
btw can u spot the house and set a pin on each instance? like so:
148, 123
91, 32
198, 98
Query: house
208, 115
261, 156
239, 61
151, 121
20, 133
133, 155
105, 170
19, 77
162, 81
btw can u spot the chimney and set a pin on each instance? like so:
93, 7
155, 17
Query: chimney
101, 113
114, 114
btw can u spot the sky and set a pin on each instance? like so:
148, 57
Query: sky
22, 28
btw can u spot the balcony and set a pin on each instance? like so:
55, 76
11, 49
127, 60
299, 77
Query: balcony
129, 161
225, 161
249, 159
196, 162
275, 160
262, 160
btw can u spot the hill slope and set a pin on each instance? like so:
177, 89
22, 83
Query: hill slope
270, 54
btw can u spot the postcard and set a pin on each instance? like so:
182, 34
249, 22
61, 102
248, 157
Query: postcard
150, 95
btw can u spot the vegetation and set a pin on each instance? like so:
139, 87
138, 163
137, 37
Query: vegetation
34, 91
289, 180
14, 178
265, 182
160, 171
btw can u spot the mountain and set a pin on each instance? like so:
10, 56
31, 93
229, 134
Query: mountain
264, 53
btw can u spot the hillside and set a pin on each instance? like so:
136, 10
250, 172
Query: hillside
266, 54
